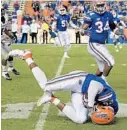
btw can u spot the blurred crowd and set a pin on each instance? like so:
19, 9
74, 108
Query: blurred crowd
44, 13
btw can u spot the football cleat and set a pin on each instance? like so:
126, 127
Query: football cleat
66, 55
13, 71
120, 46
44, 99
27, 54
6, 76
117, 50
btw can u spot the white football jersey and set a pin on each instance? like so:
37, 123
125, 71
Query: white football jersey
7, 26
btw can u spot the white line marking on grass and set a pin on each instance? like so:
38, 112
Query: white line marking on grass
124, 64
92, 65
122, 110
43, 115
18, 110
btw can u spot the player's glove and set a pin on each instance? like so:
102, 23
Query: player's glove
114, 36
82, 32
92, 109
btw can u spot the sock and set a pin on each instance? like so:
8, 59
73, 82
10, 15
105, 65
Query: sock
66, 48
16, 53
10, 64
29, 61
39, 75
4, 69
55, 101
65, 53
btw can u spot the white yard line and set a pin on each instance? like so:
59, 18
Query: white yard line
45, 109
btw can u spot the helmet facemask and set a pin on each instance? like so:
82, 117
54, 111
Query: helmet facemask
62, 11
100, 7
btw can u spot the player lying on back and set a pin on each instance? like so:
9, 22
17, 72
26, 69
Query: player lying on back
100, 21
89, 94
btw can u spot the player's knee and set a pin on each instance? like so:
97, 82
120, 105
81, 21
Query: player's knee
81, 120
4, 62
10, 58
112, 62
5, 57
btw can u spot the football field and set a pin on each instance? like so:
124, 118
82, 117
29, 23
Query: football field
19, 96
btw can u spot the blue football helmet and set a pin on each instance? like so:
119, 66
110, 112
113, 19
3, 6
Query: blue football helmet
100, 7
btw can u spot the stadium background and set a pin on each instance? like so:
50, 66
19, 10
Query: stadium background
40, 10
19, 97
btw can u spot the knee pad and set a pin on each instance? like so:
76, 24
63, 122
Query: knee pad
10, 58
81, 120
4, 62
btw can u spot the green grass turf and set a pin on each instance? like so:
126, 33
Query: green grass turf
24, 88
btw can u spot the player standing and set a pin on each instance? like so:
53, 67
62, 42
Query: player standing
6, 39
119, 38
100, 21
62, 21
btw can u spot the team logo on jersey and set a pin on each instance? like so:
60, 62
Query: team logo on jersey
102, 115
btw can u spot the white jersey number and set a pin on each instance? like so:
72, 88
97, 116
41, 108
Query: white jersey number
100, 25
63, 23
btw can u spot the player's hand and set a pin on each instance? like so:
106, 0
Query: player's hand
82, 32
90, 110
112, 35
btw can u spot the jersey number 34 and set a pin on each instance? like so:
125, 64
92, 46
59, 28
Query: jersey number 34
101, 27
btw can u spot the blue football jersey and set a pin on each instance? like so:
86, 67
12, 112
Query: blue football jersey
99, 24
116, 20
62, 22
106, 97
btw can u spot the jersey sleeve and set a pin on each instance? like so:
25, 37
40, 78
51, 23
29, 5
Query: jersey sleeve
94, 88
68, 19
112, 25
88, 20
56, 16
111, 18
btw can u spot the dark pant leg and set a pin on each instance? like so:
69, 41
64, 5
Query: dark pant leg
46, 36
14, 34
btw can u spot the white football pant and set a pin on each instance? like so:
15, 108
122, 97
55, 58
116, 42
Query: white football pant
73, 82
101, 54
5, 49
64, 39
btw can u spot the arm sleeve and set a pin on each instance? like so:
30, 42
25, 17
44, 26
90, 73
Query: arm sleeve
68, 20
94, 88
88, 20
112, 25
73, 25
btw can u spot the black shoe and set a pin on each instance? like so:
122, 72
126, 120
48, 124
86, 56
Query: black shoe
6, 76
15, 72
